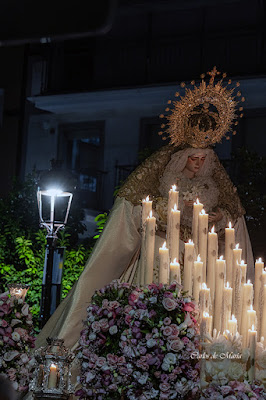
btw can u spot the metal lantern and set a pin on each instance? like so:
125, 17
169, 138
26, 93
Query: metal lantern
54, 206
18, 290
53, 195
52, 377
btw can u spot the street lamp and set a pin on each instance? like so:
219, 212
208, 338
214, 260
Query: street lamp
54, 205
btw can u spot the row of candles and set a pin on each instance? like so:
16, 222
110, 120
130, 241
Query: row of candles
204, 278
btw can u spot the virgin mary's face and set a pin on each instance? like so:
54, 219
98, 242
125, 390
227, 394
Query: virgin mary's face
195, 162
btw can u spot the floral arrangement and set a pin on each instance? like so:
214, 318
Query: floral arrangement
137, 344
224, 359
234, 390
16, 340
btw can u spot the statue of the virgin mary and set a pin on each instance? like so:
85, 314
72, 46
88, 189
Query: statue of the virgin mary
197, 121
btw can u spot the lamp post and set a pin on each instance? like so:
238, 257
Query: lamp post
50, 205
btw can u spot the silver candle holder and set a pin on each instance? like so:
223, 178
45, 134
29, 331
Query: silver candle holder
52, 376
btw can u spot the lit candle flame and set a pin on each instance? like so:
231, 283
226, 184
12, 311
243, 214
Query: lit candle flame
198, 258
175, 208
53, 366
221, 258
205, 314
173, 188
237, 246
230, 225
248, 282
190, 241
212, 230
197, 201
233, 318
150, 214
175, 262
242, 262
259, 260
204, 286
251, 307
227, 285
164, 246
202, 212
146, 200
253, 327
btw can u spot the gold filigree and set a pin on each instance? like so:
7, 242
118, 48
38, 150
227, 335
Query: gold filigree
204, 114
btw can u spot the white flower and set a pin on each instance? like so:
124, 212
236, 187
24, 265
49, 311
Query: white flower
89, 376
25, 309
261, 376
113, 330
143, 379
24, 358
9, 355
261, 360
92, 336
151, 343
235, 371
165, 366
170, 358
15, 321
15, 336
153, 299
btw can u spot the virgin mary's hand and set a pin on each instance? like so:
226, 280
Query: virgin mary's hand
215, 216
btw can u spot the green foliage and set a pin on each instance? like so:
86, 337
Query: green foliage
101, 221
22, 243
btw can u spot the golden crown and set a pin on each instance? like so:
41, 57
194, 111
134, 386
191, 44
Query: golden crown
204, 114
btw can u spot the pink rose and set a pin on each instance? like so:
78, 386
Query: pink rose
167, 321
167, 331
134, 296
169, 304
113, 305
18, 315
164, 387
104, 324
3, 323
175, 345
189, 307
96, 326
100, 362
11, 374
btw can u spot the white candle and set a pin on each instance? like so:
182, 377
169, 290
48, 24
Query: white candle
263, 319
174, 233
208, 318
52, 380
197, 278
251, 317
219, 286
227, 305
175, 272
172, 200
197, 207
188, 267
164, 264
204, 300
237, 252
229, 246
252, 341
243, 275
211, 262
146, 209
247, 301
232, 325
203, 235
149, 248
259, 267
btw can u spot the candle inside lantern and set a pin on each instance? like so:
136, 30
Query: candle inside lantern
164, 264
52, 380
